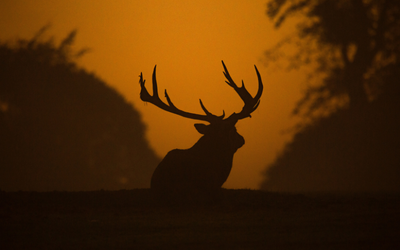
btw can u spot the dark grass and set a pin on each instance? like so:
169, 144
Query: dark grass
238, 219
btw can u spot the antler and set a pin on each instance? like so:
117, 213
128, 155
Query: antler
250, 103
170, 107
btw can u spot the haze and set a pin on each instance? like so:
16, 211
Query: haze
187, 41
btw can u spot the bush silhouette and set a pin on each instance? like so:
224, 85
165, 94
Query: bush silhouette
353, 150
62, 128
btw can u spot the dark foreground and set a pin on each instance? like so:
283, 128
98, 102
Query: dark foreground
241, 219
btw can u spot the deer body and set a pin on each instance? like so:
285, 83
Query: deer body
206, 165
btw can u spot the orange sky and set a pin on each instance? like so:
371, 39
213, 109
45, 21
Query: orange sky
187, 40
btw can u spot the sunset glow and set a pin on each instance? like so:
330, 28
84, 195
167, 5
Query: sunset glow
187, 41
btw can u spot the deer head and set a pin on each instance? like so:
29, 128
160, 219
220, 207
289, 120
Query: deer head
208, 163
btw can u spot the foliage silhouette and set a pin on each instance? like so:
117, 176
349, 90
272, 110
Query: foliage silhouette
350, 151
355, 148
354, 43
201, 170
62, 128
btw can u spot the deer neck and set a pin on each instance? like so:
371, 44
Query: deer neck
211, 147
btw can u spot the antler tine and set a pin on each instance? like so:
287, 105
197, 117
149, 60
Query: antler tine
250, 103
170, 107
208, 113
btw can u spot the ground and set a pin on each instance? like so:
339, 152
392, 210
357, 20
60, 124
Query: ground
239, 219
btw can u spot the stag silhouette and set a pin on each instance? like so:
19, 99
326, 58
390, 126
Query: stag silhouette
206, 165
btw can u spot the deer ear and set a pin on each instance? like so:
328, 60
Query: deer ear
201, 128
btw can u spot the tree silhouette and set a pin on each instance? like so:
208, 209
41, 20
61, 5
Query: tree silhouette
355, 148
62, 128
354, 43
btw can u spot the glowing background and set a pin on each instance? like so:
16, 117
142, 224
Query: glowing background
187, 40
